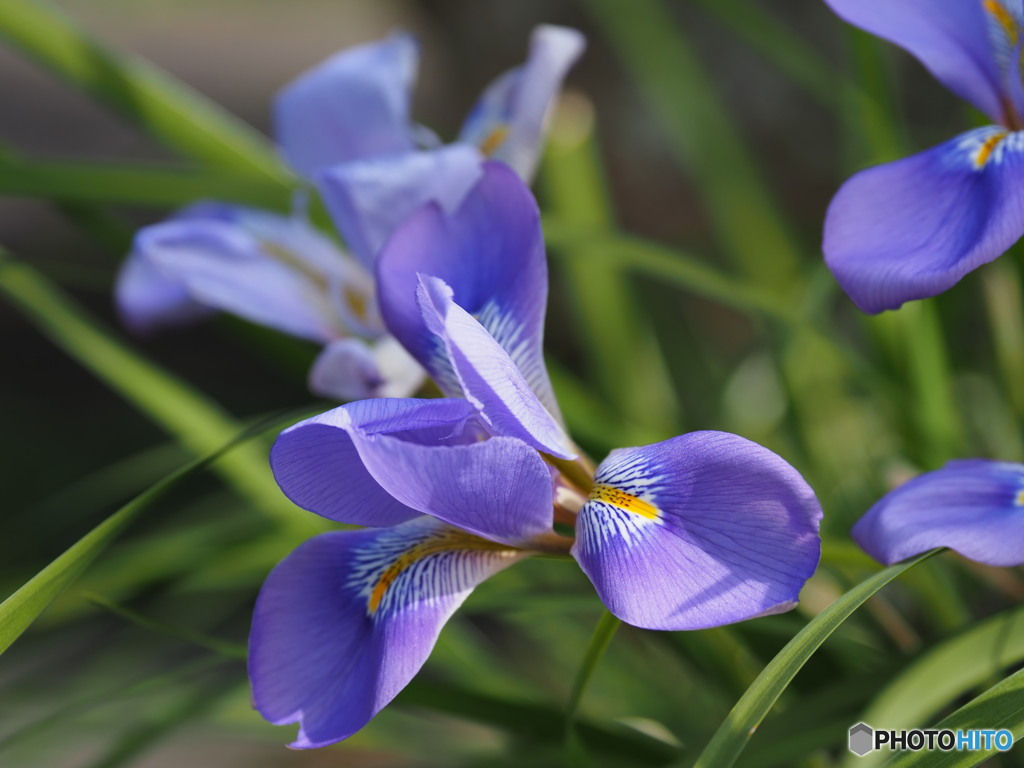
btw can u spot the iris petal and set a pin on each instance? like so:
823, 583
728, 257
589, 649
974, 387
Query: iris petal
352, 106
369, 198
913, 228
509, 121
273, 270
347, 620
351, 369
950, 37
486, 375
490, 251
973, 506
697, 531
378, 462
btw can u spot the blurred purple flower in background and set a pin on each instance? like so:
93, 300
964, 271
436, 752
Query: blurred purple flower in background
972, 506
697, 531
345, 126
913, 228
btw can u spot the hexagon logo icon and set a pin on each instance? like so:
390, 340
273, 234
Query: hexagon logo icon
862, 739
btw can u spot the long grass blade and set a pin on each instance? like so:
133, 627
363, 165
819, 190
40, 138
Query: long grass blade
169, 110
732, 736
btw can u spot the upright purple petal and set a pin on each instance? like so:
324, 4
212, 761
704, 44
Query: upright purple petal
510, 120
486, 375
347, 620
911, 229
491, 253
369, 198
697, 531
950, 37
351, 369
378, 462
354, 105
272, 270
973, 506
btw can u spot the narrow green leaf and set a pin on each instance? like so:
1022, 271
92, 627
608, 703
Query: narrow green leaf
787, 50
913, 334
198, 423
732, 736
137, 185
702, 135
604, 632
615, 336
1005, 308
943, 674
223, 647
535, 721
19, 610
673, 265
1001, 706
166, 108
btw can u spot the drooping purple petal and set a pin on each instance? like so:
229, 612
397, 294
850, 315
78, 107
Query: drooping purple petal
491, 252
701, 530
378, 462
347, 620
369, 198
148, 300
354, 105
273, 270
510, 120
973, 506
950, 37
487, 375
351, 369
911, 229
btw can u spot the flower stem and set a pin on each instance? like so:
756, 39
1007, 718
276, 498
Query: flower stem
578, 471
599, 642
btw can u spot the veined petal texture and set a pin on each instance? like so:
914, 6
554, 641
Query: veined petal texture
352, 106
701, 530
272, 270
510, 120
913, 228
490, 251
379, 462
347, 620
950, 37
486, 374
973, 506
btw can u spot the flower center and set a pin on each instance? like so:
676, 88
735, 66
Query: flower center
616, 497
450, 540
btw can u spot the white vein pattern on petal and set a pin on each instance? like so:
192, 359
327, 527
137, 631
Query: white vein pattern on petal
632, 474
523, 348
441, 368
440, 575
987, 146
603, 523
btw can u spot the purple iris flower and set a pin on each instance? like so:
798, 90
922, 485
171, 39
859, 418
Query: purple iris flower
911, 229
697, 531
973, 506
345, 126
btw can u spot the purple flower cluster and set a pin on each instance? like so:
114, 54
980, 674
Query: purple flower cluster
913, 228
697, 531
345, 127
446, 276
